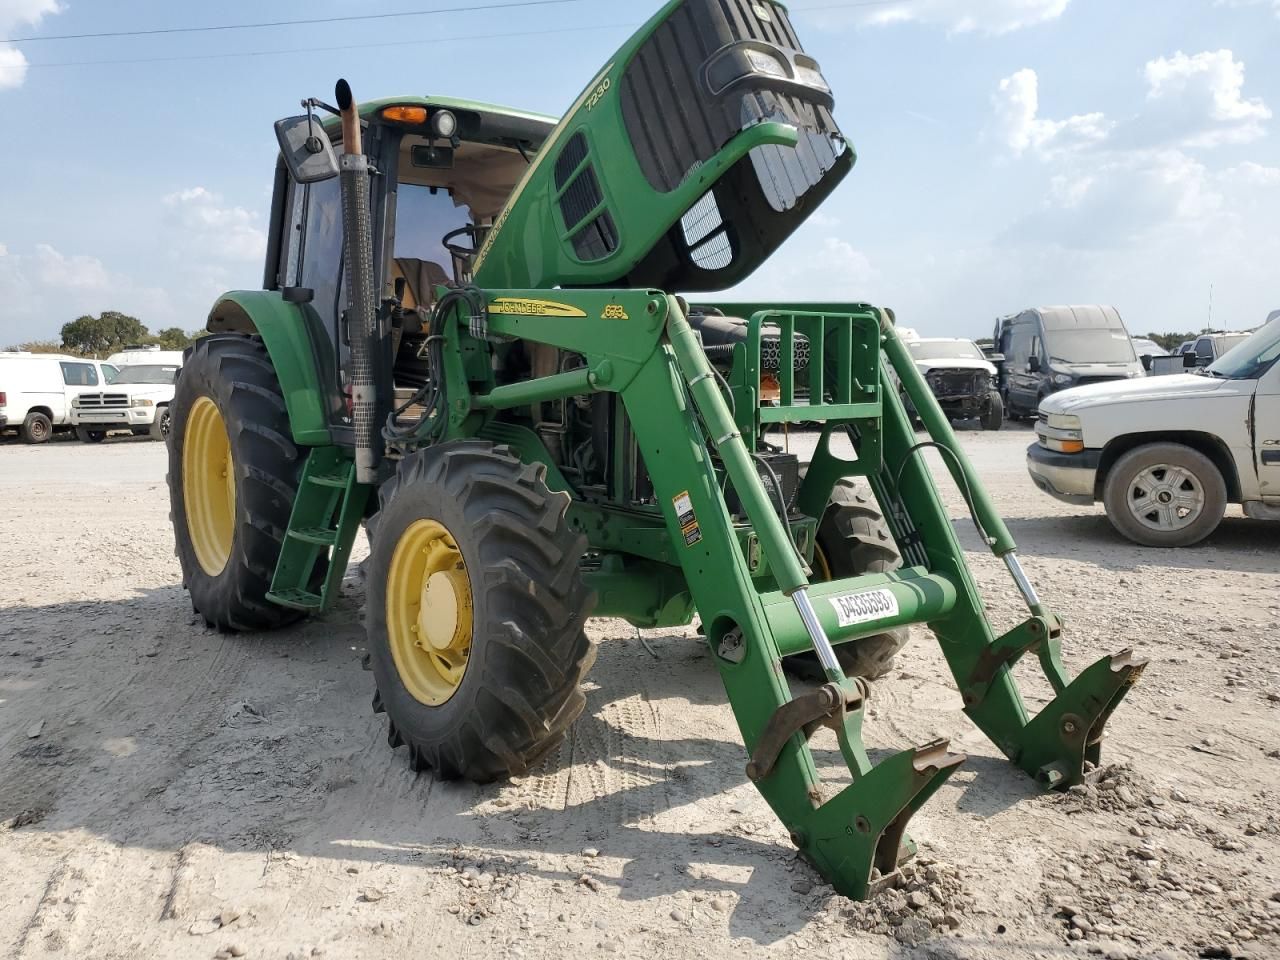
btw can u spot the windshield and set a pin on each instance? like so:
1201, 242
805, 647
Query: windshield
945, 350
1252, 358
1089, 346
146, 374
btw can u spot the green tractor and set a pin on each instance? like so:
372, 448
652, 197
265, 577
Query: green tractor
469, 339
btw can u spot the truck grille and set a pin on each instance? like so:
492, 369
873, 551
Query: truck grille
956, 384
103, 401
1085, 381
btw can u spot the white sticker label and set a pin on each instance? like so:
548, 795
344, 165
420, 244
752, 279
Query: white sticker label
862, 607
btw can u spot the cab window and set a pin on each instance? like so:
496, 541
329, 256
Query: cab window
1204, 348
79, 374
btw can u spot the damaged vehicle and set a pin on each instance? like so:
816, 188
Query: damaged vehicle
961, 377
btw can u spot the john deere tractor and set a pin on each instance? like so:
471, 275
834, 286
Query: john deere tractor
492, 338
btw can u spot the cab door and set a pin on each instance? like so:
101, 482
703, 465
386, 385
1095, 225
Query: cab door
77, 377
1023, 345
1266, 431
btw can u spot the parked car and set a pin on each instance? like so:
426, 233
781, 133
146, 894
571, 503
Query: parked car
963, 380
151, 355
1055, 348
37, 390
1166, 454
138, 400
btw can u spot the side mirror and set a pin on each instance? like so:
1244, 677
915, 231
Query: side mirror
306, 149
1033, 365
1146, 362
996, 357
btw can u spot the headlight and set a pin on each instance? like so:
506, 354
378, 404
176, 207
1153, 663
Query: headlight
141, 402
75, 401
1061, 379
1061, 432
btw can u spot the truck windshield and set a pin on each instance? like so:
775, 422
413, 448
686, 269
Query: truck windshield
1252, 358
945, 350
1089, 346
145, 374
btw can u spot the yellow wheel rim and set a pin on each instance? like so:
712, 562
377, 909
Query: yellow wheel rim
429, 612
821, 568
209, 486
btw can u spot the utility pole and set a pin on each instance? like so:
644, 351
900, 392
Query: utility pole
1209, 328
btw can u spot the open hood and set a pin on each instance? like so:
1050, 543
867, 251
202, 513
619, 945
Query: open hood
701, 145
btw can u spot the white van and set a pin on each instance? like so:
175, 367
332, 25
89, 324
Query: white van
151, 355
36, 390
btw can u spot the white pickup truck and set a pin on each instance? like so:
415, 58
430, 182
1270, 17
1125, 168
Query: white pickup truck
1165, 455
137, 399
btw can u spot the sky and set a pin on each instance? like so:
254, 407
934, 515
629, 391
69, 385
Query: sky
1011, 153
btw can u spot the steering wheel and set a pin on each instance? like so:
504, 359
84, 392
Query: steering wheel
472, 233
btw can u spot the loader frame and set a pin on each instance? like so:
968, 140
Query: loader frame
747, 580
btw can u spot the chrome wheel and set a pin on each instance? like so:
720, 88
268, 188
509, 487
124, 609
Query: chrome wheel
1166, 498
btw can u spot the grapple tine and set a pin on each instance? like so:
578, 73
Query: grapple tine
858, 838
1055, 744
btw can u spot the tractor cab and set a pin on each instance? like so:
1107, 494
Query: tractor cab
443, 170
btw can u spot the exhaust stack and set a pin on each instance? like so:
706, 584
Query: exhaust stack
362, 318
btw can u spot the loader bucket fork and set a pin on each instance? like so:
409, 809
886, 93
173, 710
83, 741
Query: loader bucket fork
856, 836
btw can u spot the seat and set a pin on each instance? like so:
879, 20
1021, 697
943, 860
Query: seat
421, 277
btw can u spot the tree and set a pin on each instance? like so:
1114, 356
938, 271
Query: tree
107, 333
38, 346
172, 338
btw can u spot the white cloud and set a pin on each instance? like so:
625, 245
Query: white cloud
1120, 200
957, 16
1273, 4
1252, 174
1198, 101
1140, 176
44, 288
15, 14
1019, 124
202, 227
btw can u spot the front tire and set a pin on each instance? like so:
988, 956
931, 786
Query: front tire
993, 414
476, 612
85, 435
1165, 495
853, 539
160, 426
233, 478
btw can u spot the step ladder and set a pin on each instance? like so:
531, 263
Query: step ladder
326, 515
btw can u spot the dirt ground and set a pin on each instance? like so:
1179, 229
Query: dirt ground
171, 792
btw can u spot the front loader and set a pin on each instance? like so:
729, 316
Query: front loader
494, 339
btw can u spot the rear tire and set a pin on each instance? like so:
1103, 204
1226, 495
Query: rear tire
1137, 485
36, 428
853, 540
485, 683
993, 415
234, 373
85, 435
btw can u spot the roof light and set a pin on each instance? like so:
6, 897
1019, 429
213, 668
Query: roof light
415, 115
444, 124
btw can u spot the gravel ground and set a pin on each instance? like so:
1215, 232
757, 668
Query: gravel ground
167, 791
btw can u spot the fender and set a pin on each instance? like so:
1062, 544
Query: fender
283, 328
